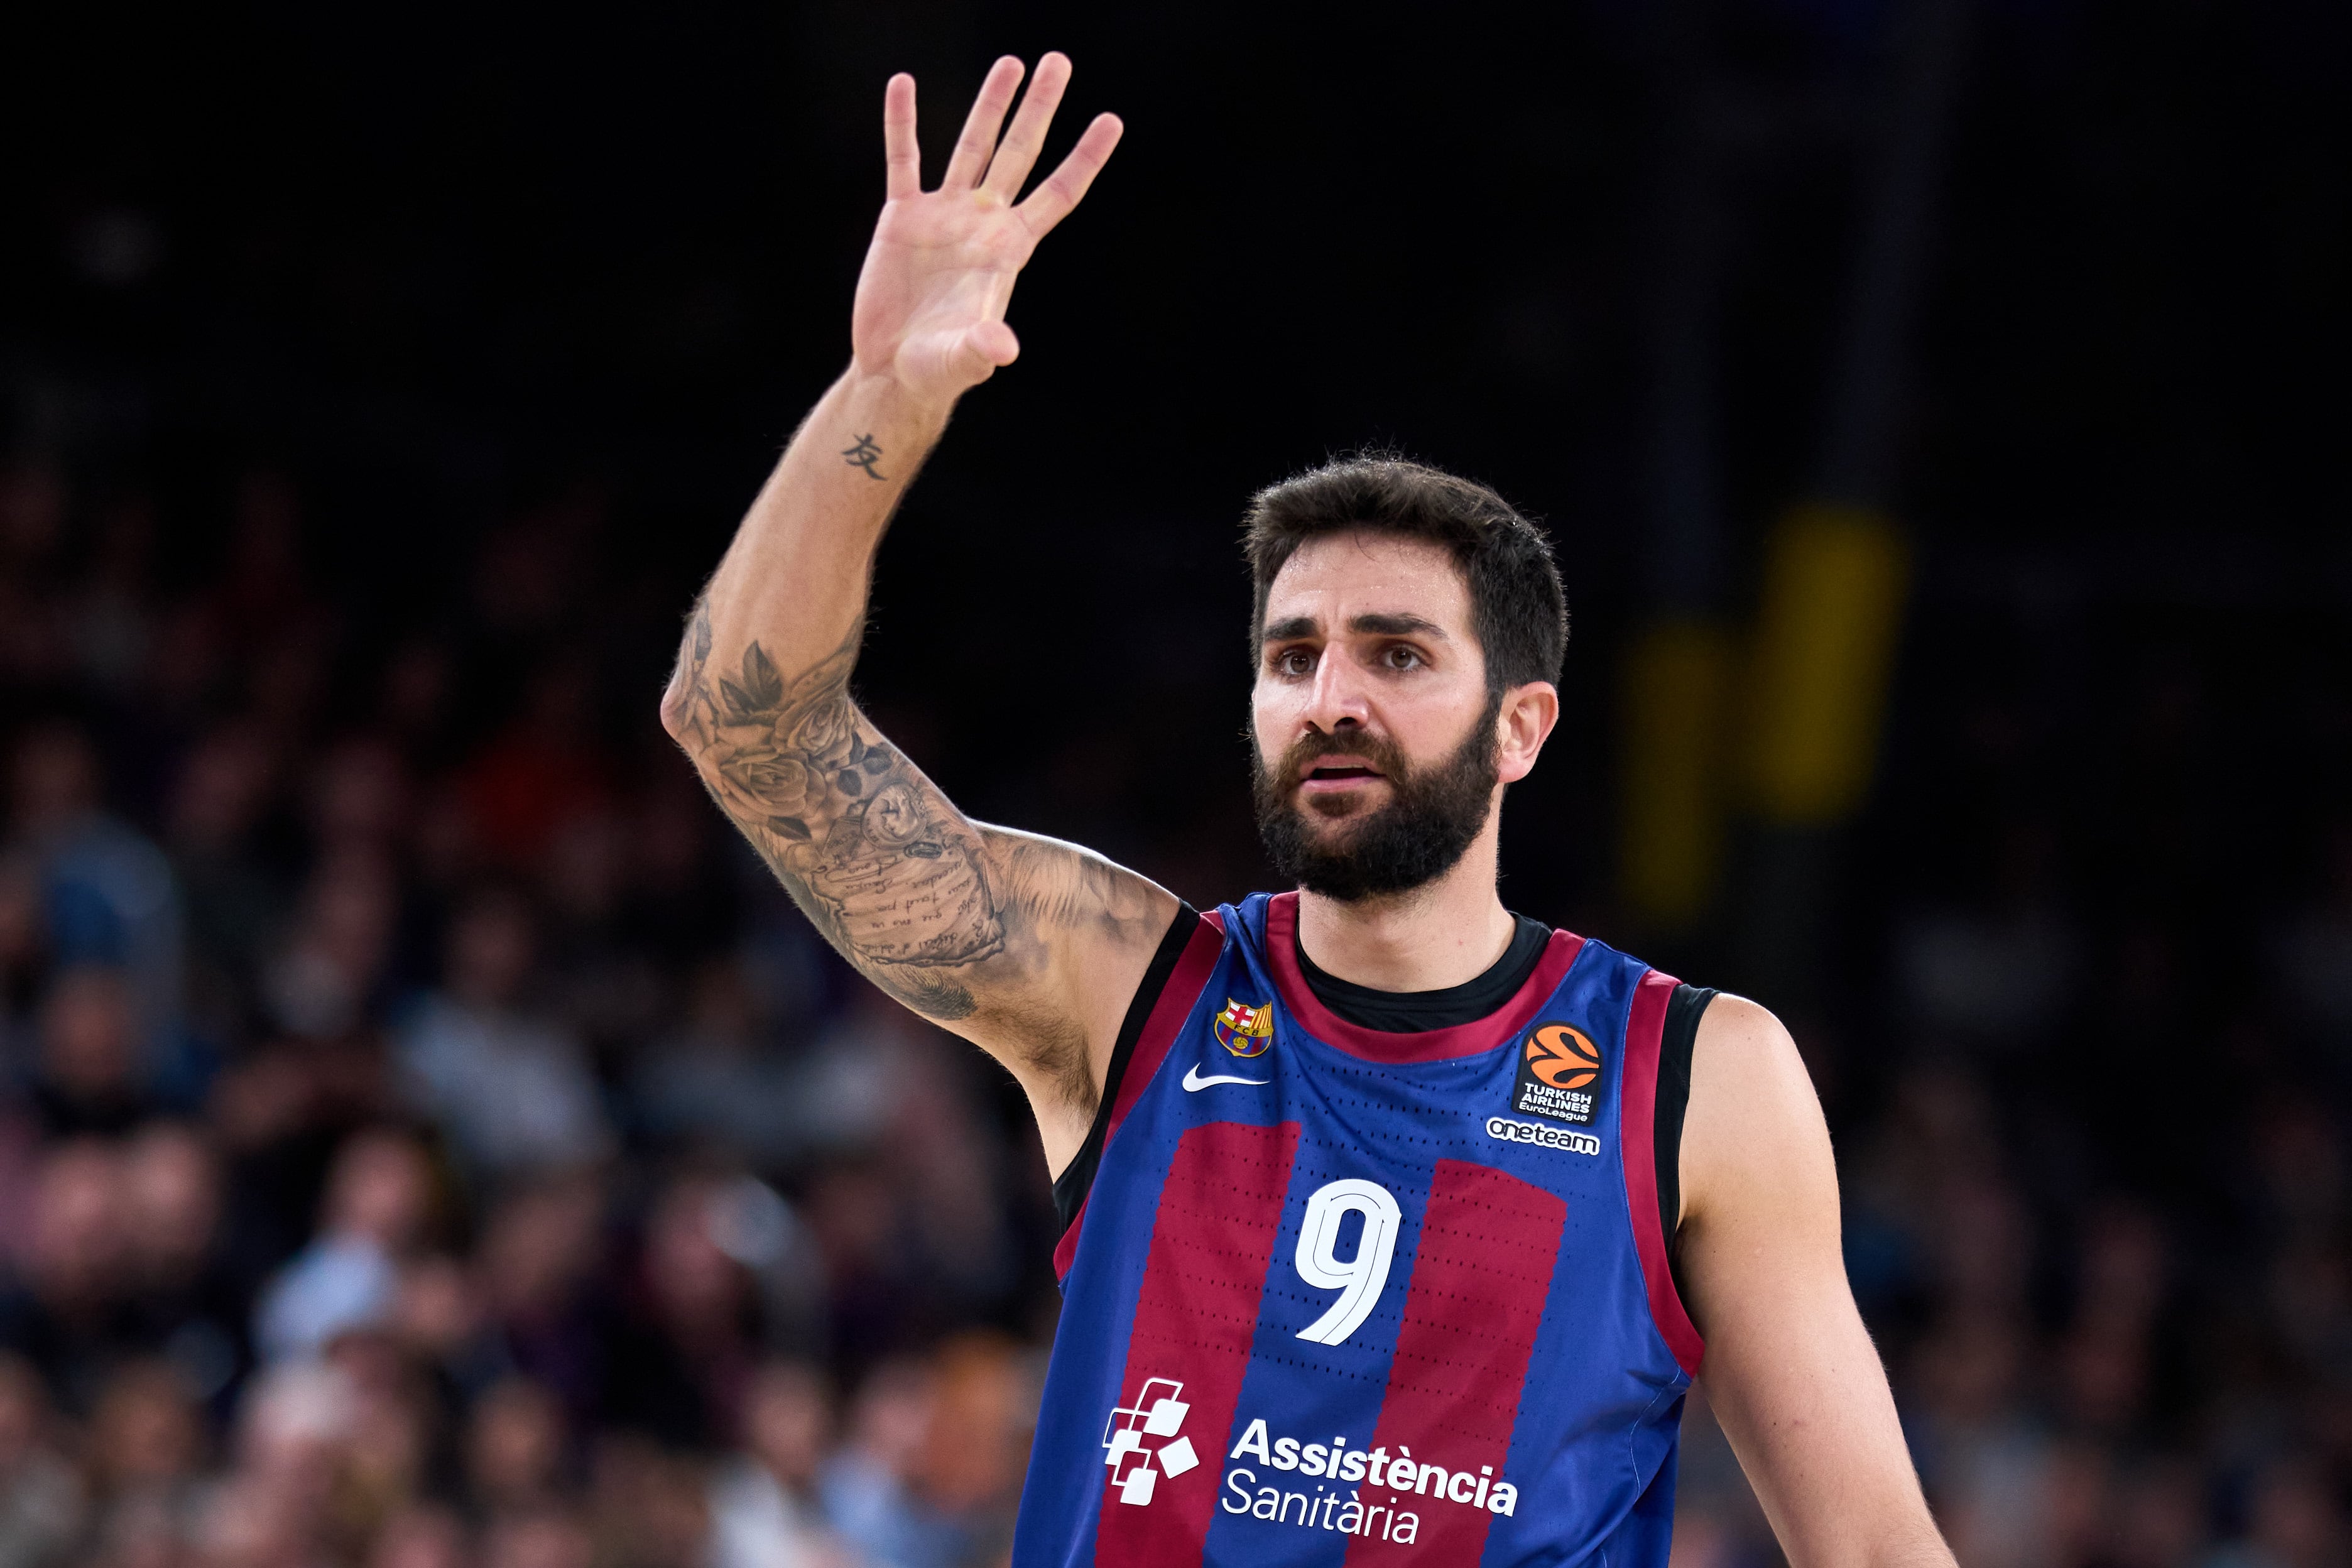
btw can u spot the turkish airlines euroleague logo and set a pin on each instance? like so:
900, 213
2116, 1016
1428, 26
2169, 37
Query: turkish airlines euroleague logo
1559, 1074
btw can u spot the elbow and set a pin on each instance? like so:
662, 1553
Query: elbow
676, 721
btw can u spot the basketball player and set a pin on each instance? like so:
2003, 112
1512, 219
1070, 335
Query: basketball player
1396, 1224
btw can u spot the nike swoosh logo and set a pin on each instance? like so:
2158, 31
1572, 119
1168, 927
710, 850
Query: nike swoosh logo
1194, 1083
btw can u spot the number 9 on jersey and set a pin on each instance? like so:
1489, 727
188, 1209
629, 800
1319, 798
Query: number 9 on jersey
1360, 1278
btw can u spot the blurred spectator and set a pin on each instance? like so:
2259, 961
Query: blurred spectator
41, 1500
764, 1505
646, 1504
24, 964
146, 1439
1996, 974
695, 1331
186, 1300
2295, 1520
421, 1536
261, 594
359, 799
113, 621
540, 1257
233, 898
544, 772
866, 1487
64, 1311
108, 891
330, 978
416, 698
90, 1075
2159, 1516
510, 1088
612, 995
934, 1471
395, 1434
550, 1537
718, 1081
275, 1505
968, 1469
1987, 1464
515, 1448
378, 1201
35, 650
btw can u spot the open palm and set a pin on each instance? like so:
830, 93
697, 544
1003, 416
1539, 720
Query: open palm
931, 300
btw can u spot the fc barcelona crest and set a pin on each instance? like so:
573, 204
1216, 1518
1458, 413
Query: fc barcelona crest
1245, 1030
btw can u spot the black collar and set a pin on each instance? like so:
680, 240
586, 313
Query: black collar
1413, 1012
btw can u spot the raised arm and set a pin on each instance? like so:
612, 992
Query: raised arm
1790, 1370
1028, 947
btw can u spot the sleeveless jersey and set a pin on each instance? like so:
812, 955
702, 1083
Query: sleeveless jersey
1341, 1297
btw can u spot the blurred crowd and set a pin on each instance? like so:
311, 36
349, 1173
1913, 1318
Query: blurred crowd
426, 1140
2092, 1119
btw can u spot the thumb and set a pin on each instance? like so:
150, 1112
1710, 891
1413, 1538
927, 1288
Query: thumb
988, 346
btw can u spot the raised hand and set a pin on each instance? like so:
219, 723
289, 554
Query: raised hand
930, 304
1030, 947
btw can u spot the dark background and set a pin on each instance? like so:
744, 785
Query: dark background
344, 348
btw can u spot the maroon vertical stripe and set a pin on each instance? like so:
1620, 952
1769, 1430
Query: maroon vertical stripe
1220, 1210
1481, 1275
1645, 1028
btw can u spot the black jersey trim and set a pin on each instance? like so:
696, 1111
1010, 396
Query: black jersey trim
1685, 1006
1419, 1011
1070, 1188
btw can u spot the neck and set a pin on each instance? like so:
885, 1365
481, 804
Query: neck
1439, 935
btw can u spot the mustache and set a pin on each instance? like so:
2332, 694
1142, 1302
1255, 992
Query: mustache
1303, 753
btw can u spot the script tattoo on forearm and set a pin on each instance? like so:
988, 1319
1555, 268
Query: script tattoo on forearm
864, 453
891, 874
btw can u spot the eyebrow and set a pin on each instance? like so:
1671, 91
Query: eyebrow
1397, 624
1374, 624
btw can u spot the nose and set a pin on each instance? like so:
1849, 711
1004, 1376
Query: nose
1337, 697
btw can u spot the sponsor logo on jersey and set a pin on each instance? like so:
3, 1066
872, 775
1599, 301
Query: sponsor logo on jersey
1366, 1492
1144, 1441
1246, 1029
1541, 1136
1359, 1492
1559, 1074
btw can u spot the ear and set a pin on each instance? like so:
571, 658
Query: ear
1522, 725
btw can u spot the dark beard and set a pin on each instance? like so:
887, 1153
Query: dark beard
1432, 816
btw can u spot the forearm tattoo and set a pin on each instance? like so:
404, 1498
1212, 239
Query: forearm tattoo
864, 455
867, 846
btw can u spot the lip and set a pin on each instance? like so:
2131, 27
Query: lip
1313, 785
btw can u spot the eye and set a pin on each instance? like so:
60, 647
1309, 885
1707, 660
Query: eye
1398, 656
1295, 661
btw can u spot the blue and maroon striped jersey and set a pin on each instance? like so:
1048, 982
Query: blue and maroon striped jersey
1338, 1296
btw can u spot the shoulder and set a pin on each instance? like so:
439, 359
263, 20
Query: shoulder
1740, 1035
1753, 1116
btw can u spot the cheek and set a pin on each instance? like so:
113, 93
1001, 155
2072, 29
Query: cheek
1437, 722
1272, 720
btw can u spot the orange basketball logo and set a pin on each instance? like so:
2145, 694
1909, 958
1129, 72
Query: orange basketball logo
1562, 1056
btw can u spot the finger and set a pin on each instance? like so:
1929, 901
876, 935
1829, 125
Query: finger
902, 157
979, 138
1065, 187
1018, 153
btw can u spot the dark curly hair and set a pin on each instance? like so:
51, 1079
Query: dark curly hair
1517, 607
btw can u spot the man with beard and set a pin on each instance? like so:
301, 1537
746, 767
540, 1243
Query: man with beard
1389, 1215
